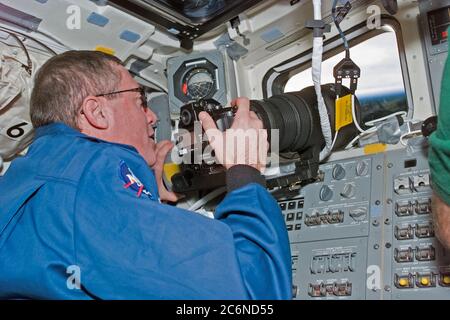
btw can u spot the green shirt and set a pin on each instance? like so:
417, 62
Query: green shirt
439, 152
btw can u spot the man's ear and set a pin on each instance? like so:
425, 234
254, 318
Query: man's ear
94, 113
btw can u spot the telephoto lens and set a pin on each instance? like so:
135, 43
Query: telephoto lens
296, 116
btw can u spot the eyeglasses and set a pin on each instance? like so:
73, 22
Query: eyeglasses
141, 90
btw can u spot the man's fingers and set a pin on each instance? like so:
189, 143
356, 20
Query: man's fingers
210, 127
253, 115
162, 144
264, 134
258, 124
166, 195
162, 149
206, 120
243, 105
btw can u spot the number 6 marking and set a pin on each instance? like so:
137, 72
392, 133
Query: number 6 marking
16, 131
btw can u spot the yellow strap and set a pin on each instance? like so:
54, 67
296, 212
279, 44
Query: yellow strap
106, 50
374, 148
343, 107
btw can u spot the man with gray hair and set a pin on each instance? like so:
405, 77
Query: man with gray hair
81, 215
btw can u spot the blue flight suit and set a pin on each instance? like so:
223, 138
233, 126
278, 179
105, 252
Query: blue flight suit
80, 218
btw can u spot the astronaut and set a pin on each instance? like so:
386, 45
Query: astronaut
439, 159
83, 213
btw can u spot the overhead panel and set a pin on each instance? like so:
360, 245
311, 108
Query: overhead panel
186, 20
83, 26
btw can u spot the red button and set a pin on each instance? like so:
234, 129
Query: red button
444, 34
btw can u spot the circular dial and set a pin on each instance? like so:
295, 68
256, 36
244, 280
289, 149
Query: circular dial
338, 172
198, 84
362, 168
348, 191
325, 193
358, 214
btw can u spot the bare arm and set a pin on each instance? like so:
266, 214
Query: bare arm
441, 220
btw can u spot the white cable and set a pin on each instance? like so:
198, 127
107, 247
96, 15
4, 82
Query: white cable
213, 194
359, 136
356, 121
412, 120
372, 122
334, 139
350, 144
354, 116
408, 134
316, 77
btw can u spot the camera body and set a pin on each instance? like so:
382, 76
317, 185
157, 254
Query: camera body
223, 116
199, 169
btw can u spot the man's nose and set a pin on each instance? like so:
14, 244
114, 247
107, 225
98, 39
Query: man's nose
152, 118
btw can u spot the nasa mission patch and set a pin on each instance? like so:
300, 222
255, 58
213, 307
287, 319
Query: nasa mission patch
131, 181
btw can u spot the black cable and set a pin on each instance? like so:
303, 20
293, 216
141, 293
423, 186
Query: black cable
11, 31
338, 27
29, 67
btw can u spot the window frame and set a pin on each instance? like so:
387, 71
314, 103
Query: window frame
275, 79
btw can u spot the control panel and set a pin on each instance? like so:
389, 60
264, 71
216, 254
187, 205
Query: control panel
365, 231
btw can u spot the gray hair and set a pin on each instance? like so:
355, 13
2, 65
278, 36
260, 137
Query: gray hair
64, 81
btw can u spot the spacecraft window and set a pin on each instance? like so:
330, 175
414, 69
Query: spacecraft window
381, 90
